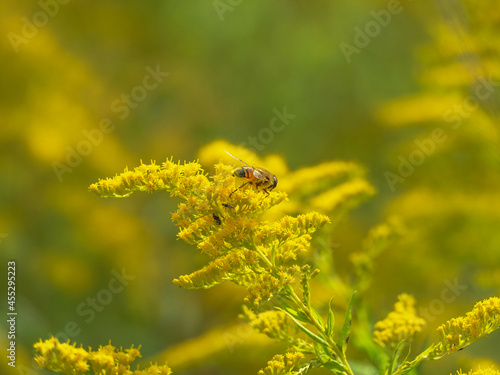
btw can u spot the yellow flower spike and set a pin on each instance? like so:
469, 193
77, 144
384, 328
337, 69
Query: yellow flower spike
68, 359
459, 332
101, 361
282, 365
230, 266
480, 371
293, 358
275, 366
400, 325
274, 324
154, 369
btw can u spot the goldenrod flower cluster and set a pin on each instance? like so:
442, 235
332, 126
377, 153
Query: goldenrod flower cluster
223, 222
459, 332
331, 188
68, 359
400, 325
152, 177
282, 365
485, 371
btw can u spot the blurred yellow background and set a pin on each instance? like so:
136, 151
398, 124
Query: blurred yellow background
88, 88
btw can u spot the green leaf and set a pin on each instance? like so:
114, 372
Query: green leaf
397, 358
330, 323
405, 358
320, 350
336, 367
316, 338
324, 353
299, 315
346, 329
393, 363
318, 317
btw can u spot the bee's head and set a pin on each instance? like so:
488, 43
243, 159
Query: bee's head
275, 183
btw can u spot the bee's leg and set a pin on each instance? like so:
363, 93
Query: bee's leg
258, 186
239, 188
268, 189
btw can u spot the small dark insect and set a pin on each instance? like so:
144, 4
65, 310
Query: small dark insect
258, 177
217, 219
227, 205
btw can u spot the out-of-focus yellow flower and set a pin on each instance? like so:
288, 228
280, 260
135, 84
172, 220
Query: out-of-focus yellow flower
273, 323
400, 325
350, 191
408, 111
378, 239
67, 359
459, 332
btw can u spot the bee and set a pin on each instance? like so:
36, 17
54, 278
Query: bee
258, 177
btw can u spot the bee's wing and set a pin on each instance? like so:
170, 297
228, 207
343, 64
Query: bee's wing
259, 175
237, 158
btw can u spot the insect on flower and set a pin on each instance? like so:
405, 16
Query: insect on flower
217, 219
258, 177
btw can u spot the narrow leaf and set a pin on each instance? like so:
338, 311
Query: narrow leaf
318, 317
336, 367
299, 315
397, 357
346, 329
330, 323
405, 358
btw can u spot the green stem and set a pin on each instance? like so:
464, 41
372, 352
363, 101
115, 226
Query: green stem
264, 258
306, 310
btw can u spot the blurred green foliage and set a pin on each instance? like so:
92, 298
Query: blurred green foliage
86, 60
